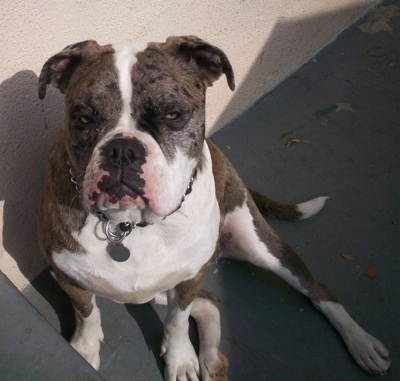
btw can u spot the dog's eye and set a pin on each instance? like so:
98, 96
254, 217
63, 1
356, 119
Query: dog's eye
84, 120
84, 123
172, 116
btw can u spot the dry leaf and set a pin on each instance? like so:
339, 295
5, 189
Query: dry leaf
297, 141
349, 257
370, 272
379, 20
342, 106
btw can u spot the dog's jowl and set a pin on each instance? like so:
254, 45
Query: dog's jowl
137, 201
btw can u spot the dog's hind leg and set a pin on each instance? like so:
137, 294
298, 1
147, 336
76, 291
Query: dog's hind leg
247, 236
88, 332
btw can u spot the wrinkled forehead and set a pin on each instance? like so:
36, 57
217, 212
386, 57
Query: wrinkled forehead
108, 70
135, 70
148, 70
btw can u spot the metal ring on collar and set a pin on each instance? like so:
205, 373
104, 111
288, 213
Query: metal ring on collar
112, 237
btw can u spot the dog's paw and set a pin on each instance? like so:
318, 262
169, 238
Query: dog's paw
89, 347
213, 366
369, 353
181, 362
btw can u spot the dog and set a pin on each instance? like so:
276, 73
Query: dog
138, 201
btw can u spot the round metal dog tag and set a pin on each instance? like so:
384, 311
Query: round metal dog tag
118, 252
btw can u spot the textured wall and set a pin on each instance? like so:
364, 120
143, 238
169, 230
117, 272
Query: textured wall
266, 40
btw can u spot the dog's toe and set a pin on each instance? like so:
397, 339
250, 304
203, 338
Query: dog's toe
379, 359
213, 367
181, 362
88, 346
90, 354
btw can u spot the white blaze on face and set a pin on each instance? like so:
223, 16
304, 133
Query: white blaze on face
125, 58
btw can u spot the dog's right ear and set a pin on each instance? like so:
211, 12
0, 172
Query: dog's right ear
59, 68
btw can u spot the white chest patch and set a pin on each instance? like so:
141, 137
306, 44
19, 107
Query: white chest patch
161, 255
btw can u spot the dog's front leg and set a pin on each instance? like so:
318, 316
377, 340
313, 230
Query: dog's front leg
213, 364
180, 357
88, 335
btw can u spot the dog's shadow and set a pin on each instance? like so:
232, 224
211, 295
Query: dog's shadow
27, 132
124, 326
149, 320
151, 327
53, 303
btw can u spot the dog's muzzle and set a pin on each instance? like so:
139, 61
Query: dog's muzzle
121, 162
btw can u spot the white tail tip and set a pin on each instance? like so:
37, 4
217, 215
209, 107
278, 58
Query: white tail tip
311, 207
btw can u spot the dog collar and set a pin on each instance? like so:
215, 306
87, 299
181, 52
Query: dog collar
116, 233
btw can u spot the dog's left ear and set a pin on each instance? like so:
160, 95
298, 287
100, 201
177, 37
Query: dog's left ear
210, 60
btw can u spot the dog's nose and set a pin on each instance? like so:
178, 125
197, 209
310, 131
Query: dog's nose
124, 152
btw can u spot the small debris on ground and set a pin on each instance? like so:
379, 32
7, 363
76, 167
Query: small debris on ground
325, 114
347, 256
370, 272
379, 19
342, 106
297, 141
298, 76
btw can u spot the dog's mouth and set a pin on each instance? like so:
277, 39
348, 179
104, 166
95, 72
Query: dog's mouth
118, 180
118, 198
121, 193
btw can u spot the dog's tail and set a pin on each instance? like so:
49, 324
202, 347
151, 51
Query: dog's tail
283, 211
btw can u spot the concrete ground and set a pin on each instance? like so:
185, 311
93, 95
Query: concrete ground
333, 128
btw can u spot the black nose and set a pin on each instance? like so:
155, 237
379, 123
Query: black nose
124, 152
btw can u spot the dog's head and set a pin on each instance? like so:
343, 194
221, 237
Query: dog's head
134, 123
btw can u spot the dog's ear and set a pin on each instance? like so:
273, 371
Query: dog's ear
210, 60
59, 68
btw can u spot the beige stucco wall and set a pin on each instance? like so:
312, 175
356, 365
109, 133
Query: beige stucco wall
266, 40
